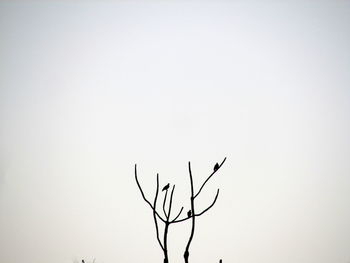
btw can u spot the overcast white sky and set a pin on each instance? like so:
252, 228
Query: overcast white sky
89, 89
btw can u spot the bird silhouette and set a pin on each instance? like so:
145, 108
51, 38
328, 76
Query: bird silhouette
83, 261
166, 187
216, 167
189, 213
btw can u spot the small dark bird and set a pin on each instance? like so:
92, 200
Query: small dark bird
83, 261
189, 213
166, 187
216, 167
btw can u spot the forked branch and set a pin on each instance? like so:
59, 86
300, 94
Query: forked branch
167, 212
201, 213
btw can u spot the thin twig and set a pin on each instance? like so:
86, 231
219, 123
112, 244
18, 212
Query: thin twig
170, 202
201, 213
181, 220
200, 189
165, 197
212, 204
176, 217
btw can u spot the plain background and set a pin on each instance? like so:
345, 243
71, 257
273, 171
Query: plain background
88, 89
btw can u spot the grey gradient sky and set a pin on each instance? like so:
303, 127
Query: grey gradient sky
87, 89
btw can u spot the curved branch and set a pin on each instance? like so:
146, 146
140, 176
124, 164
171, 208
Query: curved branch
181, 220
154, 213
201, 213
212, 204
138, 184
176, 217
170, 202
144, 197
166, 195
200, 189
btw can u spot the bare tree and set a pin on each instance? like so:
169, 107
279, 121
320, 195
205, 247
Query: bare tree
191, 214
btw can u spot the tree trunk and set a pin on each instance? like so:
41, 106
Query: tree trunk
166, 258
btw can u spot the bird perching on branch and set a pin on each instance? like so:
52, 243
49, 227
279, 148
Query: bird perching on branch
166, 187
216, 167
189, 213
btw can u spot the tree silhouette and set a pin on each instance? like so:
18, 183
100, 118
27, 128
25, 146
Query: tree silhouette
191, 214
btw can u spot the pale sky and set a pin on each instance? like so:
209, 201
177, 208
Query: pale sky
88, 89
